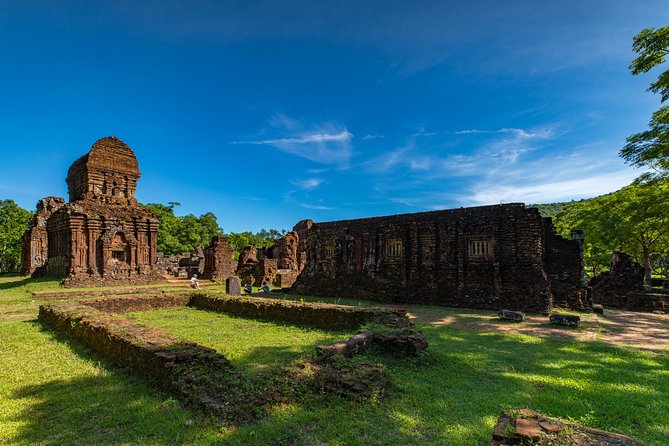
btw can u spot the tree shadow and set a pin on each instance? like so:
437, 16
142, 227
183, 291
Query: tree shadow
16, 283
111, 409
452, 395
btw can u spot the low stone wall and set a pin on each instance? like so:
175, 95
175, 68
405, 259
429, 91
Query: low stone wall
203, 378
645, 301
138, 303
198, 375
314, 314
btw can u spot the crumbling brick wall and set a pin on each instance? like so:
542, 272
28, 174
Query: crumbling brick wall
612, 288
34, 250
483, 257
218, 263
564, 267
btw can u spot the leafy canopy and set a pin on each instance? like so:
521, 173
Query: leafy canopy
634, 220
14, 221
240, 240
179, 234
651, 148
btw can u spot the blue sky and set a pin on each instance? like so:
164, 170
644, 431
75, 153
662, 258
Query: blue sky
266, 113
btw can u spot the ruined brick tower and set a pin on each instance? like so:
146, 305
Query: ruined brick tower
102, 236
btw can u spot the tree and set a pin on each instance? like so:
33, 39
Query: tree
651, 148
14, 221
240, 240
182, 234
633, 219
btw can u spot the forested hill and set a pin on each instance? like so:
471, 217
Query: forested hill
553, 209
550, 209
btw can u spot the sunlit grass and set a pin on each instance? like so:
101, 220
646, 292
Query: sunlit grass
249, 344
53, 391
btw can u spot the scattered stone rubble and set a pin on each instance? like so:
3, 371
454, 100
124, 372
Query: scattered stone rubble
527, 427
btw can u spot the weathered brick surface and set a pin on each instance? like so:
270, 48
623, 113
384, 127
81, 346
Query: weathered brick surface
314, 314
527, 427
218, 263
137, 303
35, 240
647, 301
489, 257
613, 287
102, 236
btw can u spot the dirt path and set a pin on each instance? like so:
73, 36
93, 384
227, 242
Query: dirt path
646, 331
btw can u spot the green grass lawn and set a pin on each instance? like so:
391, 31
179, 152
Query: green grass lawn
251, 345
54, 391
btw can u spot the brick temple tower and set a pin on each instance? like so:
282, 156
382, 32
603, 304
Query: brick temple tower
102, 236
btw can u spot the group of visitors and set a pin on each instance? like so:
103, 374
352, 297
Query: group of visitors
195, 284
249, 286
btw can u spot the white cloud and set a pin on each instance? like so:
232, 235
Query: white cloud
587, 172
316, 207
325, 144
502, 147
371, 136
308, 183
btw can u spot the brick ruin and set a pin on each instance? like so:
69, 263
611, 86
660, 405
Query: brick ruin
218, 263
102, 236
612, 287
622, 287
279, 264
182, 265
488, 257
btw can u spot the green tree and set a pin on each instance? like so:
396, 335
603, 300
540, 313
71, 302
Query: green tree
178, 234
240, 240
633, 219
651, 148
14, 221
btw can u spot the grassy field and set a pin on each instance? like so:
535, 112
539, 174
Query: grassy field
54, 391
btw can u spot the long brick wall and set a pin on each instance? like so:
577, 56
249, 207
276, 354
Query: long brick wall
487, 257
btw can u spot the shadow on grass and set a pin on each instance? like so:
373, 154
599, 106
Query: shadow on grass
9, 284
113, 407
452, 395
469, 374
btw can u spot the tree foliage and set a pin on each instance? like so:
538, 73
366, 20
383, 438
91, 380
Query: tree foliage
651, 148
634, 220
266, 237
14, 221
550, 209
179, 234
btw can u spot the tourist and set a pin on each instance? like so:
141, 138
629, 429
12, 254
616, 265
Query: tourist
194, 283
249, 287
265, 286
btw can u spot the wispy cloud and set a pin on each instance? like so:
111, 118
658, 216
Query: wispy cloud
498, 148
371, 136
317, 207
585, 172
254, 198
500, 165
308, 183
327, 143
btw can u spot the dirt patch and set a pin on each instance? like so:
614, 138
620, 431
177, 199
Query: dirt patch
646, 331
